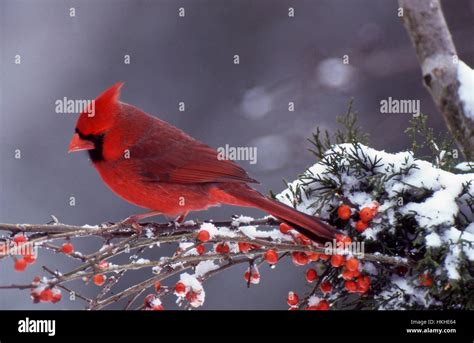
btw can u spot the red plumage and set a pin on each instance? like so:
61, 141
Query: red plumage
155, 165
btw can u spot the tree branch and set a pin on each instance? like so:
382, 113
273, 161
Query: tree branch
129, 241
429, 33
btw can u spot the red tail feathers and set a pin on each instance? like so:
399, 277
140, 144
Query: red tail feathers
309, 226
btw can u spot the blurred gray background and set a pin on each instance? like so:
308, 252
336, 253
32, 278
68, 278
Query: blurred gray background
190, 59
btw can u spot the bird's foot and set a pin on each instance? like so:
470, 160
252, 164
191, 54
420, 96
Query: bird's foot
132, 222
180, 219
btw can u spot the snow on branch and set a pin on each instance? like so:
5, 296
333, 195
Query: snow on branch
239, 241
408, 242
424, 214
448, 79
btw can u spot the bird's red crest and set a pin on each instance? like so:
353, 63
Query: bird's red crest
100, 115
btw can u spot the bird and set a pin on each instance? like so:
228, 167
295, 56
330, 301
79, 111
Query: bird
155, 165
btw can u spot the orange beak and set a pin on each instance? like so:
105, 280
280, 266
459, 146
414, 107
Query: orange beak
78, 144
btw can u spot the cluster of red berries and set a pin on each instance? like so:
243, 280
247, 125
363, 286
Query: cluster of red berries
366, 215
300, 258
28, 256
204, 236
43, 293
354, 281
190, 294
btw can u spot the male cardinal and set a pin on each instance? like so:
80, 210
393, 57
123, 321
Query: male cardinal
155, 165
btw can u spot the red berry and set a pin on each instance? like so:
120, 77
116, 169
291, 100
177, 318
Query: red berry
367, 214
325, 287
361, 226
46, 295
363, 284
311, 275
254, 277
271, 256
149, 299
312, 256
56, 297
20, 239
299, 258
302, 239
204, 236
201, 249
20, 265
426, 280
351, 286
347, 274
352, 264
30, 259
246, 276
324, 257
157, 286
344, 212
323, 305
180, 288
292, 299
191, 296
344, 240
285, 228
99, 279
222, 248
158, 308
337, 260
244, 247
67, 248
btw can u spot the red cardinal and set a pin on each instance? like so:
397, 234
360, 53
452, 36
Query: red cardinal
155, 165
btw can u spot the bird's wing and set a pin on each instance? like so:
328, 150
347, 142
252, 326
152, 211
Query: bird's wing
167, 154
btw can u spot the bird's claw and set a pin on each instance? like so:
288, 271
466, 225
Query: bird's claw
131, 222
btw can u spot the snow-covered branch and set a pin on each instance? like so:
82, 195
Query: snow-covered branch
241, 240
